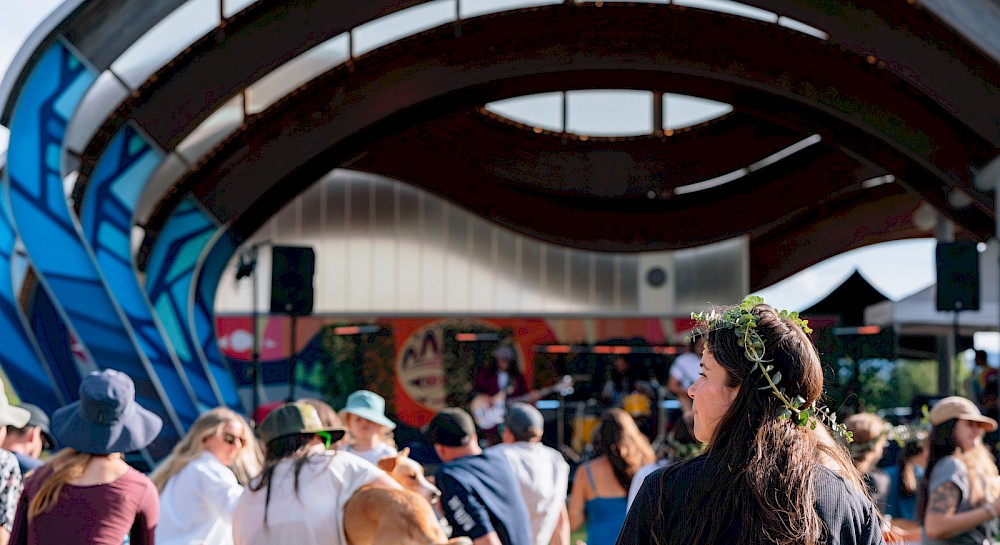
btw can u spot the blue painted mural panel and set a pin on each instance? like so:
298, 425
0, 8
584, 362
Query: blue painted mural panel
169, 275
42, 218
203, 323
106, 222
29, 375
55, 344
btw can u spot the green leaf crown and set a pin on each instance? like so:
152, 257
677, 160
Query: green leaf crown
744, 324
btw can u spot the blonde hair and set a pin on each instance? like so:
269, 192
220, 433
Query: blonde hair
248, 460
982, 470
67, 465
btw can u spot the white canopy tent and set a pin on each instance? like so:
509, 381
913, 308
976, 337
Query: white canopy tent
918, 314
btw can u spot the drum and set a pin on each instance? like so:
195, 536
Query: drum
583, 429
636, 404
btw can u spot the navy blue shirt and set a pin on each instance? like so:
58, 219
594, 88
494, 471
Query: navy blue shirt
27, 463
479, 495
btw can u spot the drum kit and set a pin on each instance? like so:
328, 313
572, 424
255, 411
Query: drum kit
586, 415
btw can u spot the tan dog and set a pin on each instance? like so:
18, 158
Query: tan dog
379, 516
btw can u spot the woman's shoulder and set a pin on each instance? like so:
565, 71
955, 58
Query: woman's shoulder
207, 466
135, 482
597, 464
680, 472
949, 464
833, 489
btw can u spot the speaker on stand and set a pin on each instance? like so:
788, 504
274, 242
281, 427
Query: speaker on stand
957, 290
292, 270
957, 276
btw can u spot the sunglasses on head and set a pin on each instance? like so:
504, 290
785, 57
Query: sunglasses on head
327, 438
231, 439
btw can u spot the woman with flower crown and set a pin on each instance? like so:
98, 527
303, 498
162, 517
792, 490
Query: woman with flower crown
765, 474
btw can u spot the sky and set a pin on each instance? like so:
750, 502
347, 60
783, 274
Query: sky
897, 269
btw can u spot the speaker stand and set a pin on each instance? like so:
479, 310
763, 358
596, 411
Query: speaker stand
293, 360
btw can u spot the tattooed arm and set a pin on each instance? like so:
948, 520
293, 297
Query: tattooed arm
942, 522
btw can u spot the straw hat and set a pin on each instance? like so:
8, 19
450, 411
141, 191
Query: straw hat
957, 407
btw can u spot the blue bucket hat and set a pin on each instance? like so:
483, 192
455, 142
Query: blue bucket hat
370, 406
106, 419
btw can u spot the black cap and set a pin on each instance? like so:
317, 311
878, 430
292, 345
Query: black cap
451, 427
41, 420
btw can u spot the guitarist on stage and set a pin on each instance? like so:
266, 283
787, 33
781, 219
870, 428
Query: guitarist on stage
500, 375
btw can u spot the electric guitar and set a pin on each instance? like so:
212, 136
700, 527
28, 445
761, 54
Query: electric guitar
489, 411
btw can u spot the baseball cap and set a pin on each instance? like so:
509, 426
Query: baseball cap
41, 420
293, 419
451, 427
957, 407
524, 421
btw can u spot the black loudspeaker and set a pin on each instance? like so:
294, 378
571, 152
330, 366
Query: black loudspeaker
292, 269
957, 276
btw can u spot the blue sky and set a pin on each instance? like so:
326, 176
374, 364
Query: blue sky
897, 269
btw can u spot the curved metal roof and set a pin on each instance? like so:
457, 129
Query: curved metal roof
908, 88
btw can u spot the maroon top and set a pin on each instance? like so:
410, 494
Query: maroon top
101, 514
486, 383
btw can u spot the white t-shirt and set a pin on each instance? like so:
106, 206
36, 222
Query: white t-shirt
686, 369
544, 476
374, 455
314, 516
197, 504
503, 380
640, 476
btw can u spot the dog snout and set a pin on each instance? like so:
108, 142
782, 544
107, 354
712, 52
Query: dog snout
429, 491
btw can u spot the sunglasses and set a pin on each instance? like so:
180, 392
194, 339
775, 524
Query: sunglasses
327, 438
231, 439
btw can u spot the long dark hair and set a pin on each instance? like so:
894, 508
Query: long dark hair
624, 381
619, 438
758, 471
288, 446
941, 445
513, 368
907, 480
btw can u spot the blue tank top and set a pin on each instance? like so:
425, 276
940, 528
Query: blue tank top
605, 516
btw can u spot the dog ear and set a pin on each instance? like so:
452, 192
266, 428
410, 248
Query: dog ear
387, 464
405, 453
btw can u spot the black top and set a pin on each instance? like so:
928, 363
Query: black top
849, 517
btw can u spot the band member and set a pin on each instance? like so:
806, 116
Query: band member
624, 380
497, 381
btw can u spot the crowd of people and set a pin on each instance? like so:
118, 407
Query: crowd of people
773, 465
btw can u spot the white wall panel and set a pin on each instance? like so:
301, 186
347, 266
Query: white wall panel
458, 265
383, 246
432, 263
